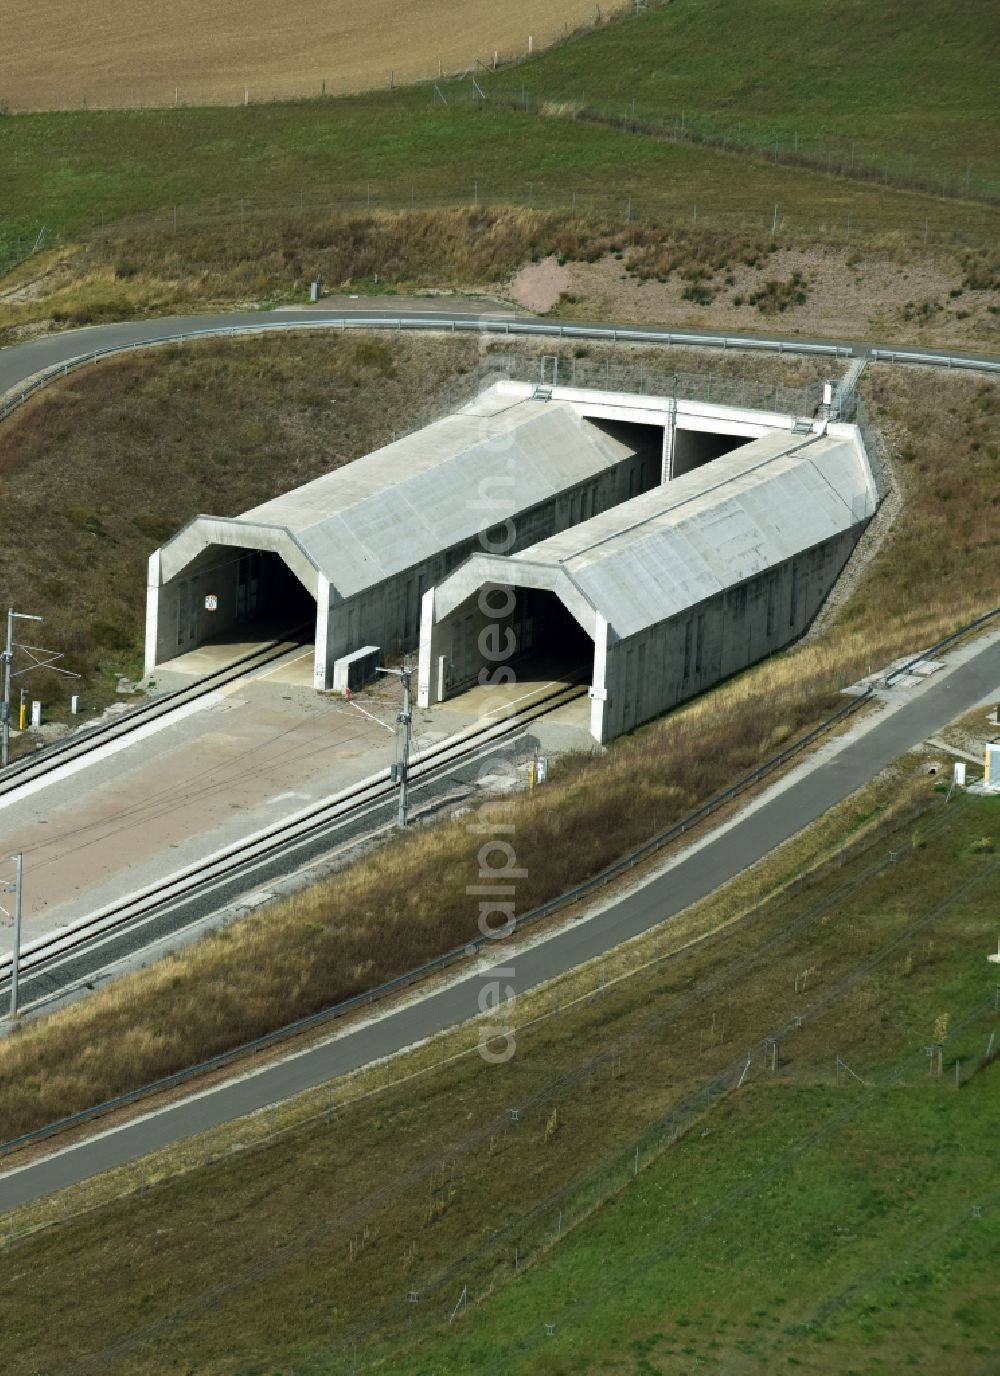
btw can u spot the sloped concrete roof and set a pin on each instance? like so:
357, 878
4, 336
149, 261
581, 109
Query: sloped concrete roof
671, 548
406, 502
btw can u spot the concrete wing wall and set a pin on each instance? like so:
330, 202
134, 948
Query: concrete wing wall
206, 531
469, 606
204, 558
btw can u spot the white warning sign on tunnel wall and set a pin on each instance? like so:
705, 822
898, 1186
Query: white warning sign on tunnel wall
211, 602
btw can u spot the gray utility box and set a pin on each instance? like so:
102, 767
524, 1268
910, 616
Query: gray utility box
355, 670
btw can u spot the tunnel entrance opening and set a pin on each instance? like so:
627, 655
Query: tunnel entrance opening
646, 441
232, 596
694, 448
552, 645
270, 597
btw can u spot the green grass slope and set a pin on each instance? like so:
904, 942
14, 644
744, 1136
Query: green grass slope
804, 1221
910, 84
74, 171
902, 89
818, 1220
736, 1252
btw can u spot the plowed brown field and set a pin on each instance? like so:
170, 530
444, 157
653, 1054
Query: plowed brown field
120, 53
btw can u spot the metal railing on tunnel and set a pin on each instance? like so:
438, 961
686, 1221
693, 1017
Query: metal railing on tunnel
570, 369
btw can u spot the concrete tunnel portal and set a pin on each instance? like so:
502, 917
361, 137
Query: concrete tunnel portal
643, 526
694, 448
270, 599
668, 593
507, 633
228, 594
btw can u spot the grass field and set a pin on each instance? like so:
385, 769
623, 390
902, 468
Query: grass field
120, 53
270, 183
384, 915
198, 190
834, 1257
877, 87
893, 85
72, 170
774, 1204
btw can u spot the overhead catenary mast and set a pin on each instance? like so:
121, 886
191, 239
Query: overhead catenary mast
39, 659
400, 770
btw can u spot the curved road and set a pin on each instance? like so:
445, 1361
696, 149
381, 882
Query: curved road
724, 855
694, 877
20, 362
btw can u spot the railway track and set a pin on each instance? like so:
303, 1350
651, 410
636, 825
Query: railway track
84, 742
59, 962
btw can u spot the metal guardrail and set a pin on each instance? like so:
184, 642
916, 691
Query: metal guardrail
986, 365
434, 323
507, 328
476, 944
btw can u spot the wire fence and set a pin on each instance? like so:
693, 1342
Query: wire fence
18, 248
479, 943
311, 207
506, 79
525, 1244
857, 412
526, 1236
848, 160
263, 1129
588, 202
646, 379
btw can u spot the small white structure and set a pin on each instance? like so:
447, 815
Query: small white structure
353, 671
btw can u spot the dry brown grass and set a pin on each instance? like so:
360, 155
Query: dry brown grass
145, 271
384, 1191
637, 273
117, 54
847, 830
100, 468
386, 914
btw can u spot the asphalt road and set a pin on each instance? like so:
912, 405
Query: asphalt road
724, 856
22, 361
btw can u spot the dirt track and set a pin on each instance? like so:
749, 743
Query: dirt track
120, 53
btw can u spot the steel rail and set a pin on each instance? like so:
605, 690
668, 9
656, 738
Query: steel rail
285, 836
475, 944
427, 766
92, 737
